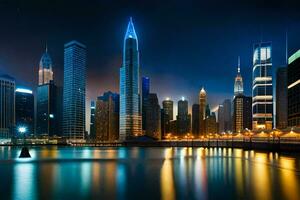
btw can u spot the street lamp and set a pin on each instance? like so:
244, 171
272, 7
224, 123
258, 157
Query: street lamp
24, 152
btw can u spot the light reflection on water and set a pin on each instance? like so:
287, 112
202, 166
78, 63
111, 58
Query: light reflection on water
148, 173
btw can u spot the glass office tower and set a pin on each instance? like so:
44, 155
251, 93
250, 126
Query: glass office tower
25, 110
130, 111
74, 90
262, 87
7, 106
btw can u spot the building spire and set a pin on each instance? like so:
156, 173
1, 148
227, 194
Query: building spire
46, 47
239, 64
286, 47
130, 33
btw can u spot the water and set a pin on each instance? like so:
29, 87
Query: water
148, 173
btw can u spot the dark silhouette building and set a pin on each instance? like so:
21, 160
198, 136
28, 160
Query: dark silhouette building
281, 98
183, 118
145, 94
25, 110
153, 123
92, 121
195, 119
167, 116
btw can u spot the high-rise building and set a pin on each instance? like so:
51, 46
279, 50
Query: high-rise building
195, 119
45, 69
211, 124
92, 121
221, 121
183, 118
25, 110
46, 113
145, 94
227, 115
130, 111
281, 98
293, 85
207, 110
262, 88
107, 117
153, 123
202, 107
242, 113
167, 116
74, 90
238, 83
7, 106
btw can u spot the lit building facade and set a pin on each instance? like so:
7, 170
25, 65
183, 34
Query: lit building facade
211, 126
202, 107
45, 69
238, 83
262, 87
242, 113
130, 109
92, 121
281, 98
293, 85
153, 123
7, 106
74, 90
107, 117
25, 110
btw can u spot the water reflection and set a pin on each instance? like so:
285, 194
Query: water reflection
166, 173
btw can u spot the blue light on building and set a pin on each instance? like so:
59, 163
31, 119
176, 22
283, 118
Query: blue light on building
130, 111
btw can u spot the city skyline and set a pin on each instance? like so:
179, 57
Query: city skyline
103, 71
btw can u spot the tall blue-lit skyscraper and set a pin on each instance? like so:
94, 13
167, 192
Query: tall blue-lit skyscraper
74, 90
262, 87
238, 82
130, 109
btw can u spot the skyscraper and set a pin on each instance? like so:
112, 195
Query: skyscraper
130, 111
153, 126
227, 115
242, 113
221, 120
45, 69
168, 116
48, 100
202, 106
25, 110
195, 119
92, 121
145, 94
238, 83
281, 98
211, 124
74, 90
183, 118
7, 106
107, 117
262, 94
293, 85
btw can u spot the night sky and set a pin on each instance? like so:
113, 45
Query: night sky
184, 45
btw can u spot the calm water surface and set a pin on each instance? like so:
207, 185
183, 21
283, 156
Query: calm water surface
148, 173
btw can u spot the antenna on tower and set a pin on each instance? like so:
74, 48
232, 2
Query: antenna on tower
46, 47
286, 47
239, 64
